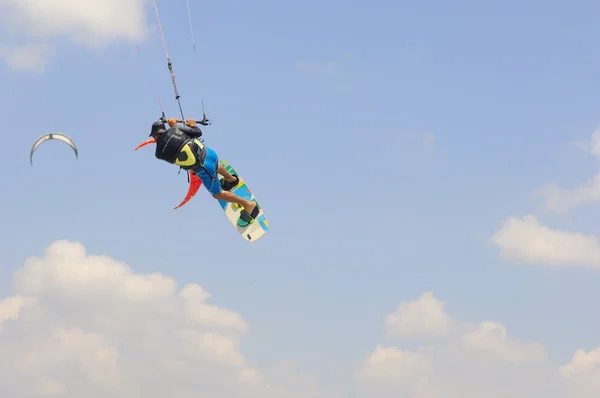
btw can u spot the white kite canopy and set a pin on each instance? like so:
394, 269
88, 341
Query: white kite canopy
52, 136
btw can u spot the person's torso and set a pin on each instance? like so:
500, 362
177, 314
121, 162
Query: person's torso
176, 147
170, 143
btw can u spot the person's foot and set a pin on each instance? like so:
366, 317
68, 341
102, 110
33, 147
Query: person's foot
248, 215
229, 185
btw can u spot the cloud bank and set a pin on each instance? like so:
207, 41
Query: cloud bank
86, 325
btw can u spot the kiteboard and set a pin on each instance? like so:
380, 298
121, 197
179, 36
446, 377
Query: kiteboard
260, 226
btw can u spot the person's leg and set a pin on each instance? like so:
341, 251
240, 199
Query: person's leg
229, 181
233, 198
211, 164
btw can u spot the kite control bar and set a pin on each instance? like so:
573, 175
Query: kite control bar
205, 121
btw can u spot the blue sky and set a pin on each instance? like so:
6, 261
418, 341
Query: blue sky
387, 143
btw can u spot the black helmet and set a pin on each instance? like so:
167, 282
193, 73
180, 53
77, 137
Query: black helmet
158, 127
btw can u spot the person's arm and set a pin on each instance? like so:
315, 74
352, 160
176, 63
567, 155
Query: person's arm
189, 128
192, 131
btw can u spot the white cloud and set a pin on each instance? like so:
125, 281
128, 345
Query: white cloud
83, 325
481, 361
582, 362
390, 371
583, 373
90, 23
528, 240
30, 58
11, 307
562, 200
593, 145
423, 317
492, 338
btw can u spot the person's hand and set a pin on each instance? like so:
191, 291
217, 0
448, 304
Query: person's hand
190, 122
172, 122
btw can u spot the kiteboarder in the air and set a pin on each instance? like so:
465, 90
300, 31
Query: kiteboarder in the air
180, 145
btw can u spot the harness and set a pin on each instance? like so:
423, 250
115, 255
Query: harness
192, 156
